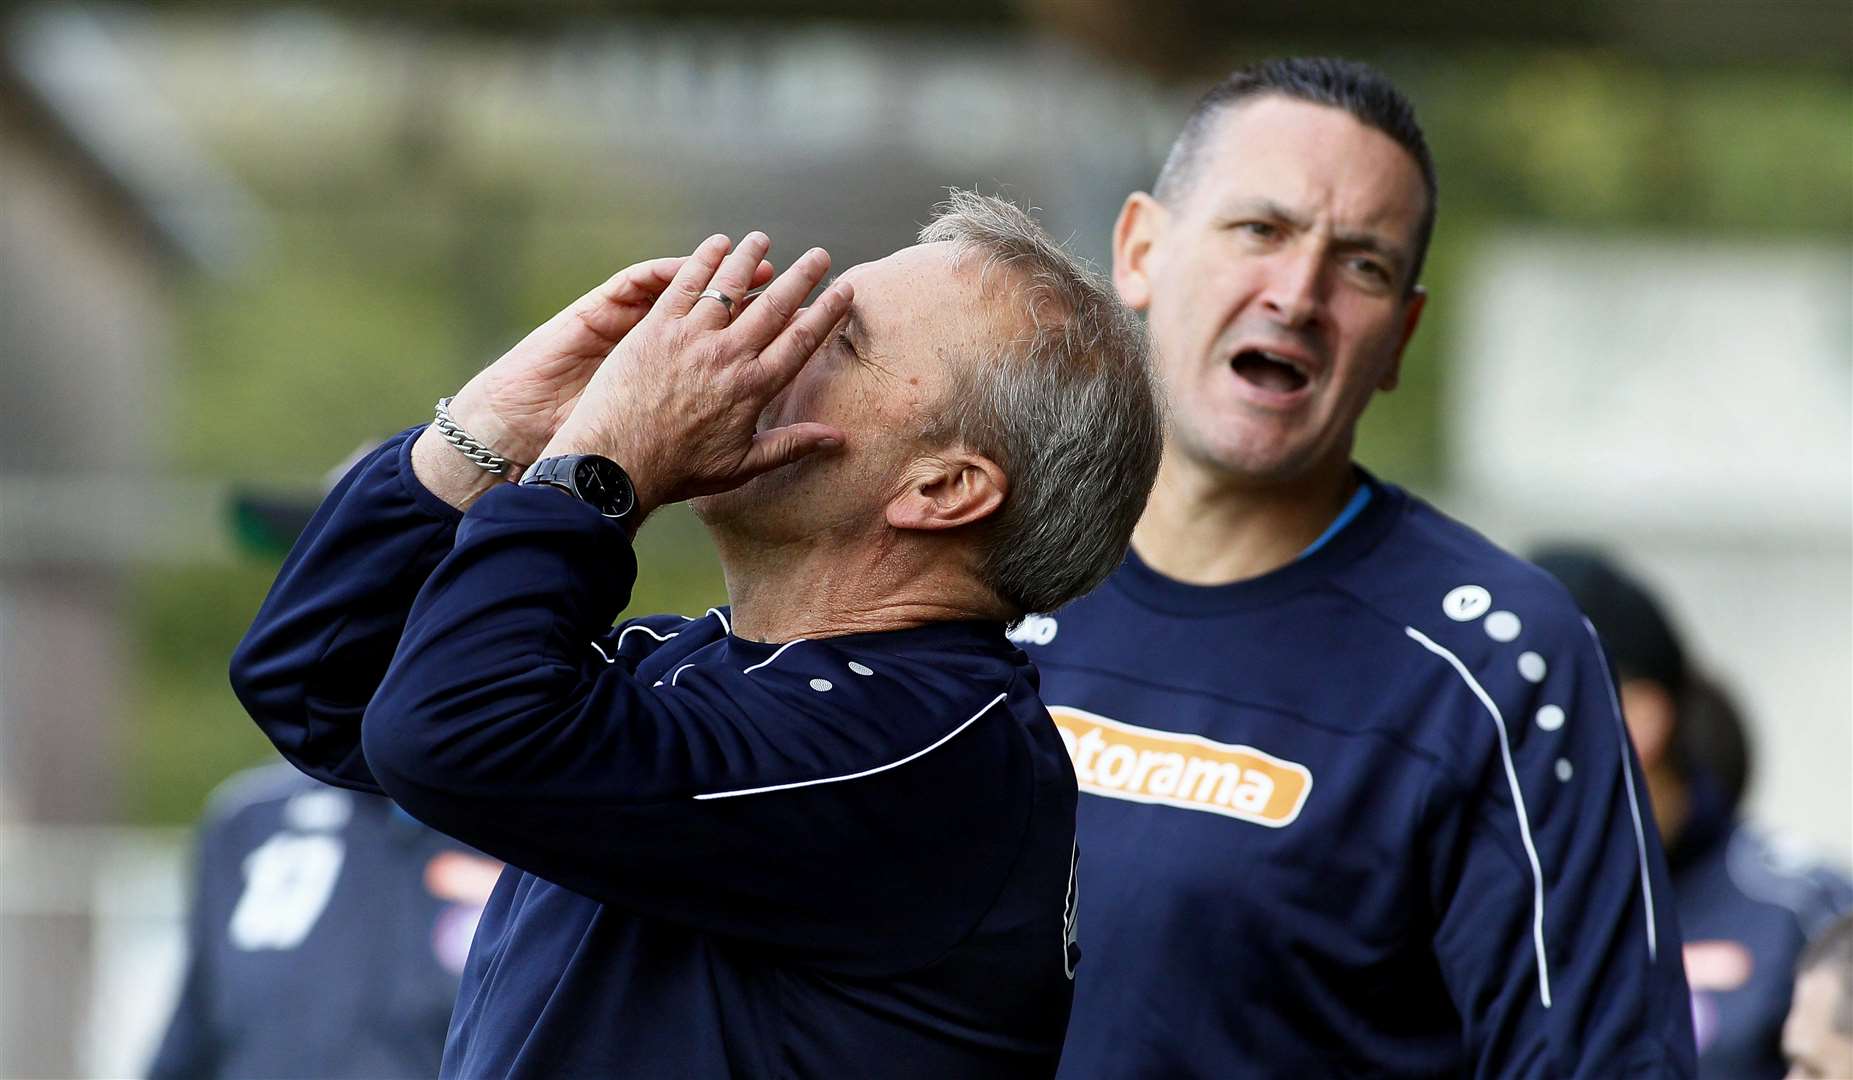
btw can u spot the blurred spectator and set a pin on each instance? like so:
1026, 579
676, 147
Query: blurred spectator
1818, 1037
1747, 901
327, 936
328, 929
1712, 736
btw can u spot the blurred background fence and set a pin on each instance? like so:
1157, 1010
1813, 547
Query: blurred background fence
237, 240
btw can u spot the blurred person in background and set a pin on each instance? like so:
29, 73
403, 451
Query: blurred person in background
326, 937
1817, 1038
828, 831
1712, 734
328, 928
1748, 902
1355, 797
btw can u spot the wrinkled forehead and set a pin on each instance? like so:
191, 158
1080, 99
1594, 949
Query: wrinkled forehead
1309, 156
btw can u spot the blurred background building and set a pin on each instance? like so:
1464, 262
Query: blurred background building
237, 239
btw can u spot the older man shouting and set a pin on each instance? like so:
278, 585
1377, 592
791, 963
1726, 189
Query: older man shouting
829, 832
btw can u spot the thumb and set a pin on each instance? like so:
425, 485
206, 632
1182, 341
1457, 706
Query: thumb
784, 445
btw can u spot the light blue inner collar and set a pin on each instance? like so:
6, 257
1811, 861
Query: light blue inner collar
1352, 508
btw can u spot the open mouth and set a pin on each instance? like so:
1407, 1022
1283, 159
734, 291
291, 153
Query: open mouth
1269, 371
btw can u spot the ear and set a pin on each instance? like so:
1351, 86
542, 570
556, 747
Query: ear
948, 490
1412, 316
1142, 220
1650, 713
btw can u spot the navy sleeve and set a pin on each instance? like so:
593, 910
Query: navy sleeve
322, 640
1555, 927
755, 804
190, 1048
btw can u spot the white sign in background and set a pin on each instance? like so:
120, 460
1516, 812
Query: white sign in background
1689, 406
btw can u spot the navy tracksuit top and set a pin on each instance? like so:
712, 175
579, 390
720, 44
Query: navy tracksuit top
325, 937
838, 857
1373, 814
1749, 900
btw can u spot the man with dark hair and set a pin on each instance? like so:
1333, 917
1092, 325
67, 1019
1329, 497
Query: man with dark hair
1818, 1036
1339, 84
1747, 900
1713, 736
1355, 797
827, 831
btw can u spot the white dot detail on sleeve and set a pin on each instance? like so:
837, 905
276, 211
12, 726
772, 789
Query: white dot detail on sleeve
1565, 770
820, 685
1466, 603
1550, 717
860, 668
1502, 626
1532, 667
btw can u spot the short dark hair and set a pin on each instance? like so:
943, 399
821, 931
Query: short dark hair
1711, 734
1637, 634
1359, 89
1833, 948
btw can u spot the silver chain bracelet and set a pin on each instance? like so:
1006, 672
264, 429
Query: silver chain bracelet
471, 447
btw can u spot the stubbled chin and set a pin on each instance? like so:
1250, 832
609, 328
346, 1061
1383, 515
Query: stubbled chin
724, 507
1258, 447
761, 494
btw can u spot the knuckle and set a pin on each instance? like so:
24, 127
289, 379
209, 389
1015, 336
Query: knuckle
805, 339
779, 307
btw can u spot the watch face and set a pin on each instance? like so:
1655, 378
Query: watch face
604, 485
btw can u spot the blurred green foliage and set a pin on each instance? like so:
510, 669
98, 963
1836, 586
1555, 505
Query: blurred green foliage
1593, 141
392, 284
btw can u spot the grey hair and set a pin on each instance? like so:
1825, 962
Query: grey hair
1070, 410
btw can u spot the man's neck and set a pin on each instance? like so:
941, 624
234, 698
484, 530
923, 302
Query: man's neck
1203, 527
831, 586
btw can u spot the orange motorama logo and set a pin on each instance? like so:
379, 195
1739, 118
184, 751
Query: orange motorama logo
1123, 761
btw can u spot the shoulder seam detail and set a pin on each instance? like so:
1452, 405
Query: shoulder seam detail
1627, 781
775, 655
1518, 803
936, 744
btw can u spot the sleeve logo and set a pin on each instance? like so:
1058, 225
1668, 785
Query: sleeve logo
1122, 761
1033, 630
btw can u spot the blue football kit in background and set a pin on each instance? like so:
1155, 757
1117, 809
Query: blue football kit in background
1748, 902
1371, 814
850, 856
326, 936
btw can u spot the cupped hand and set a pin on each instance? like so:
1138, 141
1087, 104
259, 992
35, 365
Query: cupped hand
677, 401
518, 403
